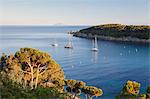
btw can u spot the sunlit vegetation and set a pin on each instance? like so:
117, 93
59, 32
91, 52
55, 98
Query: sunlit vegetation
77, 87
74, 87
131, 88
12, 90
31, 67
91, 91
118, 30
131, 91
32, 74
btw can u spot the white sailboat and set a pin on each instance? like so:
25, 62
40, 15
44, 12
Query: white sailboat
69, 44
55, 44
95, 46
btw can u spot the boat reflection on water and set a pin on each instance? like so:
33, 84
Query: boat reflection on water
94, 57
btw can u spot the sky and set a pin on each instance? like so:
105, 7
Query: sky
74, 12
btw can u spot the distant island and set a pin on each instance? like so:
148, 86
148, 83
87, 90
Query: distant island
117, 32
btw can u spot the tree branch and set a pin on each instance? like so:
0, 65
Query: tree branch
43, 71
29, 64
26, 72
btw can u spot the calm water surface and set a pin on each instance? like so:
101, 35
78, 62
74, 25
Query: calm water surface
109, 69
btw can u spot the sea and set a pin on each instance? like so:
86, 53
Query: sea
109, 69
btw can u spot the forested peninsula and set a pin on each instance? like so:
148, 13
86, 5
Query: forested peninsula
117, 32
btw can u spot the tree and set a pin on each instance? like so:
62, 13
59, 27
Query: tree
3, 60
130, 90
12, 90
116, 31
148, 92
92, 91
33, 71
74, 86
31, 67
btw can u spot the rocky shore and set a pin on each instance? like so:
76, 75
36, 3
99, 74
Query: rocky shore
126, 39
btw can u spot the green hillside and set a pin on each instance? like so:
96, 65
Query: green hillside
116, 31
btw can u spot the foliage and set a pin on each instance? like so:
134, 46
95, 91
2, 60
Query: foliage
13, 90
131, 88
118, 30
74, 86
77, 87
148, 89
142, 96
148, 92
31, 67
3, 60
92, 91
131, 91
74, 83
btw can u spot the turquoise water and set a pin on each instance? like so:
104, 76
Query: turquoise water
109, 69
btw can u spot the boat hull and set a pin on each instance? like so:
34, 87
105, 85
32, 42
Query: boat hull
55, 45
95, 49
68, 47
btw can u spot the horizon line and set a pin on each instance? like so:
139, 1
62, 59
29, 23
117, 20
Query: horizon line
67, 24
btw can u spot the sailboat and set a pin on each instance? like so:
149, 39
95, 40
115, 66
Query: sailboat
55, 44
95, 46
69, 44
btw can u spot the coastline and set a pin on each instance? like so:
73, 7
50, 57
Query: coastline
109, 38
